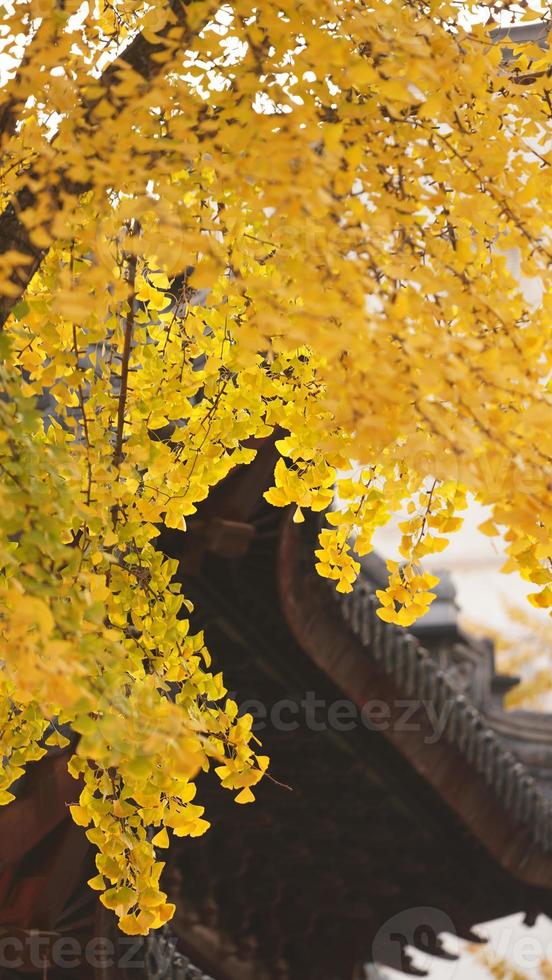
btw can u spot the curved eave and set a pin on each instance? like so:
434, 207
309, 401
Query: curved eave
470, 767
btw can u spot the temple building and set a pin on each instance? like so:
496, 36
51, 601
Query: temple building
403, 801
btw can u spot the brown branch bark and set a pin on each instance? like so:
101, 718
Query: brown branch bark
125, 364
118, 454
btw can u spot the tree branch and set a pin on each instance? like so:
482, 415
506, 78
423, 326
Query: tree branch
125, 364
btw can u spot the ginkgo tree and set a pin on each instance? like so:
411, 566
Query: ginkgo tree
219, 218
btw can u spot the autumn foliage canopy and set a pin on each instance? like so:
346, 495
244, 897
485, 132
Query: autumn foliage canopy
218, 219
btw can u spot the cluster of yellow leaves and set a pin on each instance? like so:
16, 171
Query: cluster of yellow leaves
218, 224
93, 635
408, 594
364, 504
22, 727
